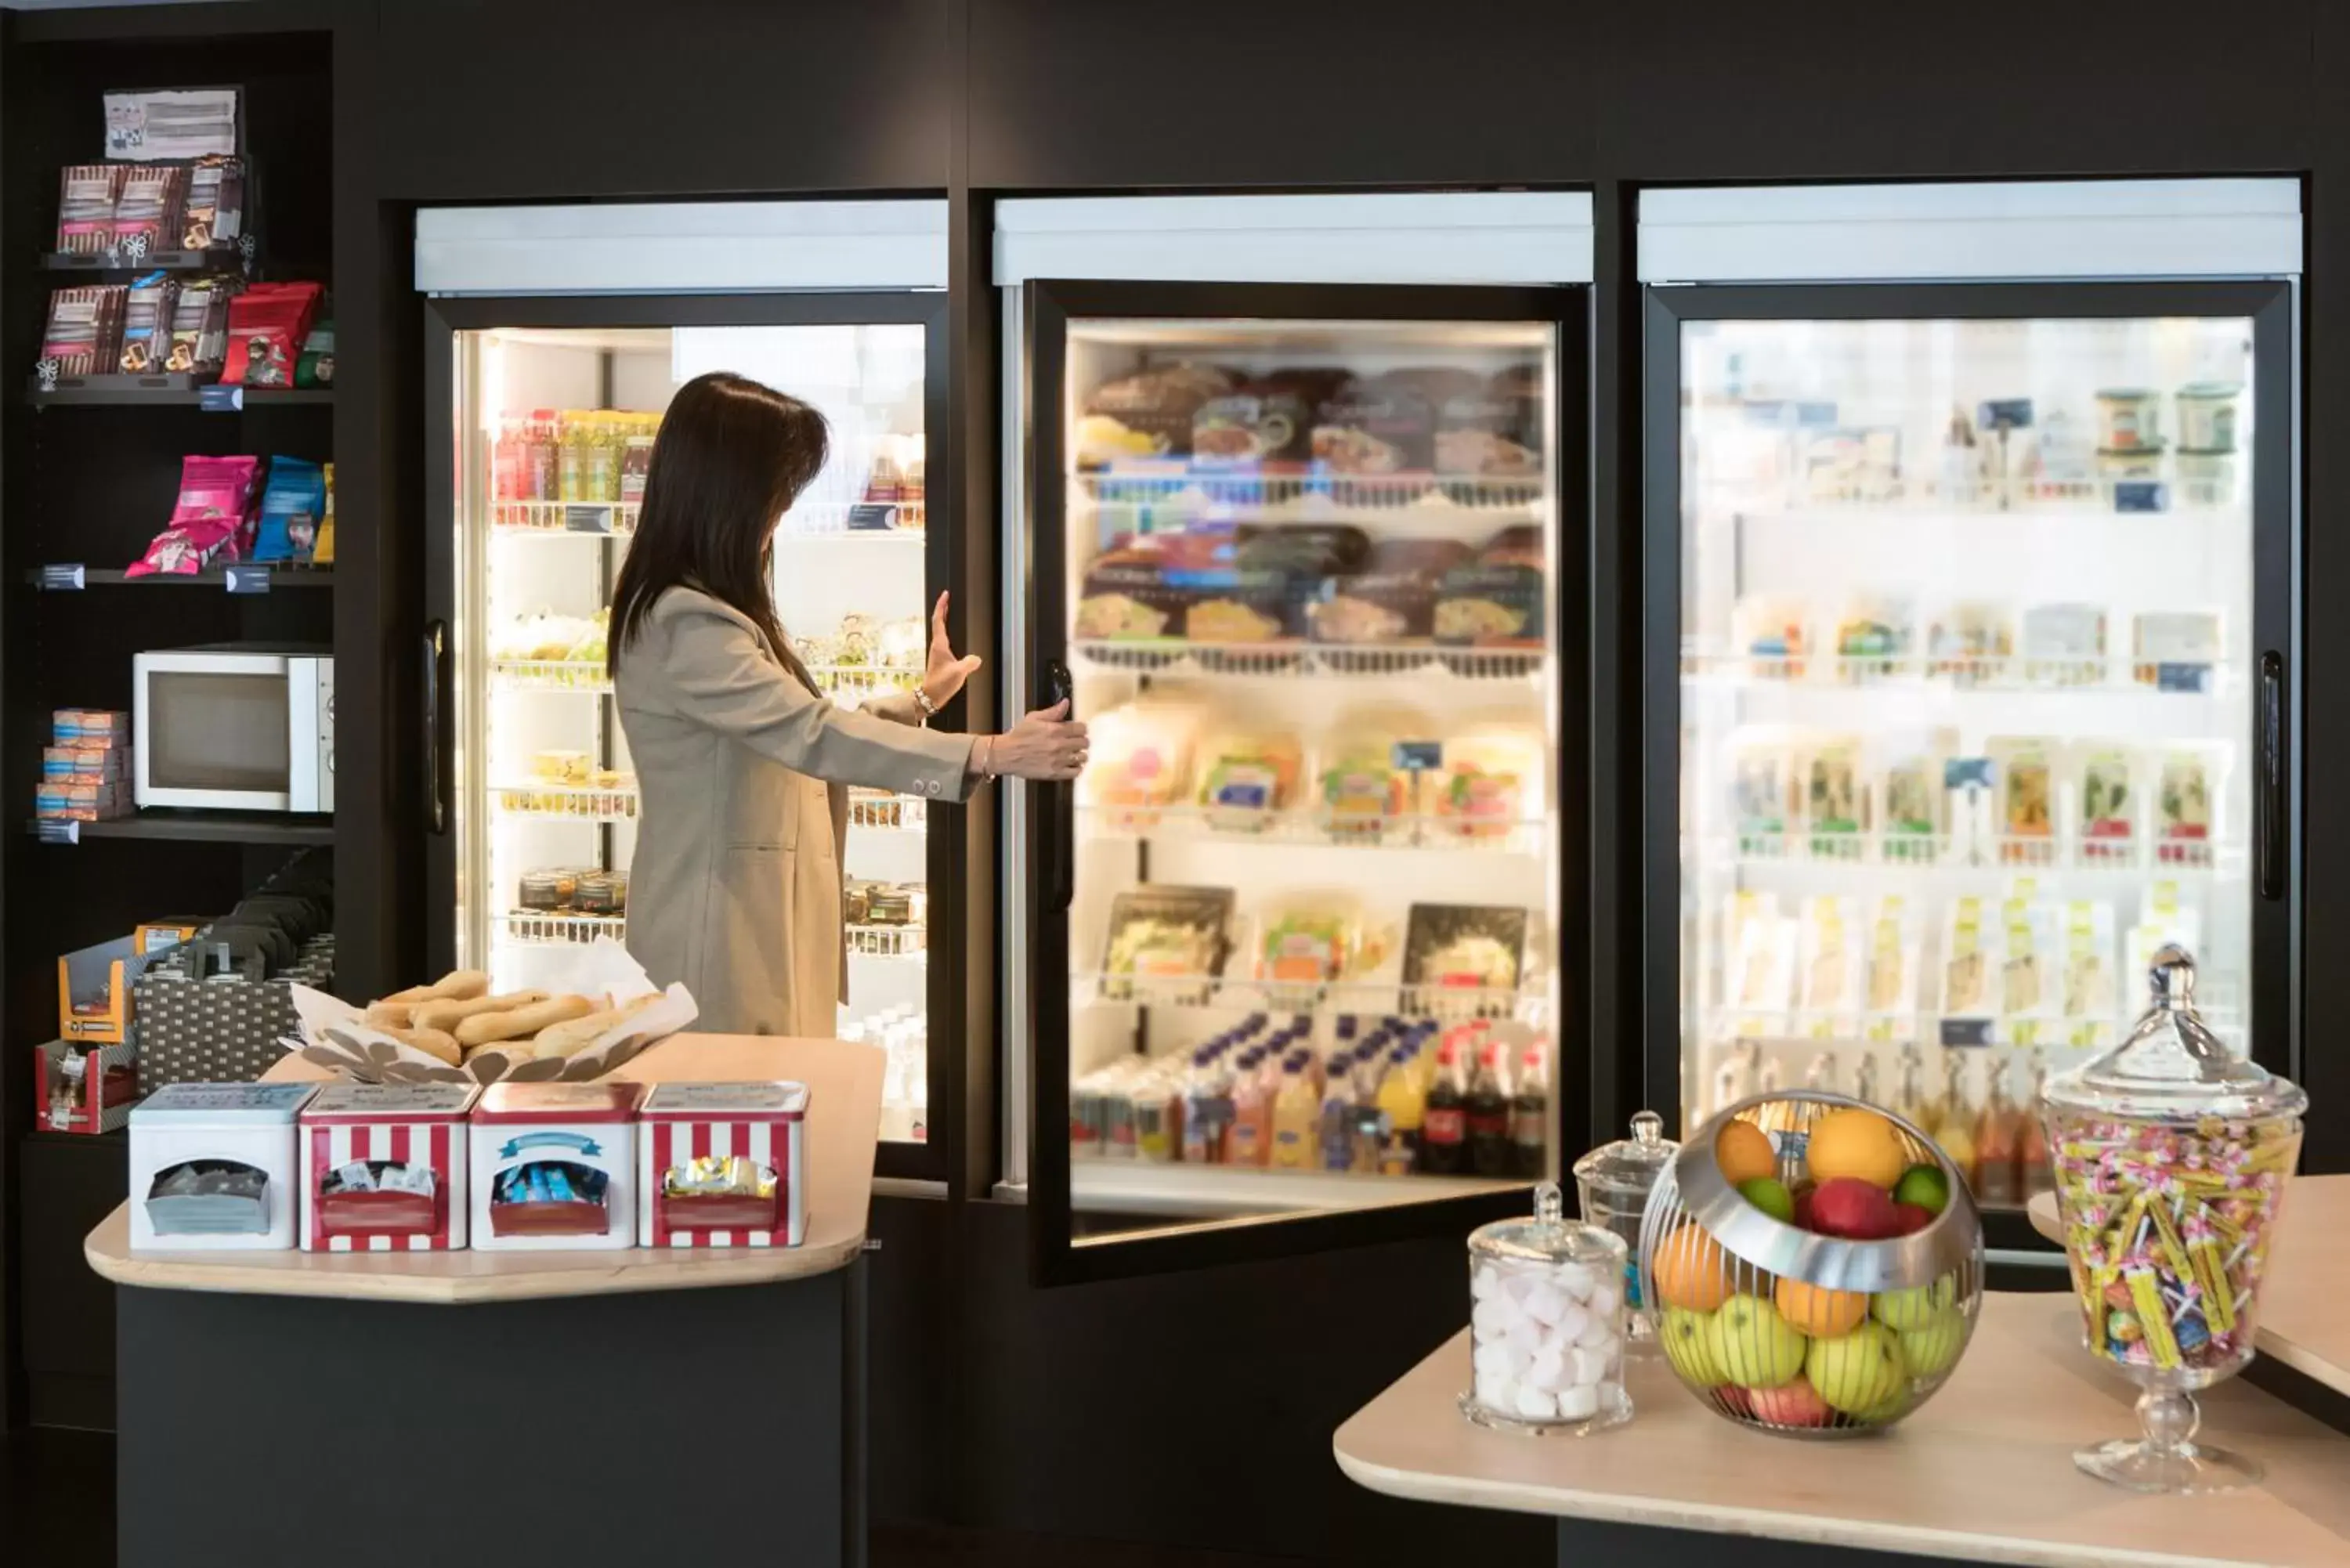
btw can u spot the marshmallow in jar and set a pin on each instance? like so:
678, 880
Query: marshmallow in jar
1547, 1321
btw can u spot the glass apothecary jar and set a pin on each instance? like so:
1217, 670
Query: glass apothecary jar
2171, 1155
1546, 1324
1612, 1185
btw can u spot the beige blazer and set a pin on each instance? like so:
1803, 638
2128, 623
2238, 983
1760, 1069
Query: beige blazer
743, 821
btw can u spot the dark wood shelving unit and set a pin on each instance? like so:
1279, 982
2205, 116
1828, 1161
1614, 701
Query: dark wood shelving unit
281, 576
257, 828
174, 397
219, 258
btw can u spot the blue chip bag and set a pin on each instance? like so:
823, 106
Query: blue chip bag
291, 504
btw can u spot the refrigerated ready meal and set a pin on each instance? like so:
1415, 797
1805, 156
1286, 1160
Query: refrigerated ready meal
1361, 792
1380, 425
1147, 414
1143, 586
1246, 779
1492, 780
1268, 420
1493, 430
1392, 598
1475, 946
1496, 600
1167, 933
1142, 760
1307, 939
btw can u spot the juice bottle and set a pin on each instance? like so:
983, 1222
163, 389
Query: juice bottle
1336, 1126
1998, 1142
507, 461
1488, 1107
539, 477
1530, 1116
1954, 1128
2032, 1174
1250, 1137
1402, 1108
571, 456
1444, 1127
1909, 1101
1369, 1124
1207, 1107
1296, 1115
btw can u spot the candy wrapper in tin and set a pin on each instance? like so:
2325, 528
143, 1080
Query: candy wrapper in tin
337, 1036
718, 1176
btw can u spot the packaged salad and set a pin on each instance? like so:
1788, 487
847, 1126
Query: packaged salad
1308, 940
1362, 794
1491, 781
1247, 780
1141, 760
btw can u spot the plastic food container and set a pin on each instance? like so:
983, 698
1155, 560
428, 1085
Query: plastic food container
2207, 416
212, 1166
1789, 1330
1612, 1186
2206, 478
2171, 1157
2129, 419
1546, 1324
383, 1167
723, 1165
555, 1166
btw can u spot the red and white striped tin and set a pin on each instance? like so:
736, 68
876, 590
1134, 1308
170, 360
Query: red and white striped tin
764, 1123
404, 1124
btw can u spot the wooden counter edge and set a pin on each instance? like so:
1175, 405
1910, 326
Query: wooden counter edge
509, 1276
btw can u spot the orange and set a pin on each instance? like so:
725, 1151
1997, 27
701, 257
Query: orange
1820, 1313
1691, 1271
1856, 1143
1744, 1151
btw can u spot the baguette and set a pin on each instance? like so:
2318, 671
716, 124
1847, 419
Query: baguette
434, 1042
569, 1039
393, 1015
521, 1022
457, 985
447, 1015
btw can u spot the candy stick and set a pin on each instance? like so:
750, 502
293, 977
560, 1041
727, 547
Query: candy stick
2173, 1253
2219, 1307
2159, 1343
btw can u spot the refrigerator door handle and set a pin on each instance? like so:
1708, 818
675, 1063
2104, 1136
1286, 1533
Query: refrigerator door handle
436, 783
2269, 808
1060, 837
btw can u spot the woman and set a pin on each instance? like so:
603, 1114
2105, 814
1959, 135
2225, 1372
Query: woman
743, 764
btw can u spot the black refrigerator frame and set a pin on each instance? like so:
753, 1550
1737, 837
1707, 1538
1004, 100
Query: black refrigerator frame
1047, 306
2273, 990
962, 884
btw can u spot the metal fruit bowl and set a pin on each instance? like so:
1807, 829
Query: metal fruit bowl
1788, 1331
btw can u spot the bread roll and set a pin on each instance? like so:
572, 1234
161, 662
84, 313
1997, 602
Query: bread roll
393, 1014
569, 1039
520, 1023
449, 1014
457, 985
434, 1042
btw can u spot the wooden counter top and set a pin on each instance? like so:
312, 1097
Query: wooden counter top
844, 1122
1983, 1473
2305, 1312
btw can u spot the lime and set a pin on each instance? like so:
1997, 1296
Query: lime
1771, 1196
1926, 1186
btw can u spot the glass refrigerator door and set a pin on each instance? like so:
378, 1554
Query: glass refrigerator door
557, 429
1305, 589
1981, 603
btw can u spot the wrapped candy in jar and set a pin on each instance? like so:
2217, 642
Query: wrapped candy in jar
1612, 1185
2171, 1155
1546, 1324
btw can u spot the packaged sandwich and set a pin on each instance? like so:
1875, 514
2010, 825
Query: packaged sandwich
1966, 961
2188, 780
1892, 961
1307, 939
2087, 999
1970, 642
1762, 792
1247, 779
1141, 760
2064, 645
1362, 794
1912, 798
1836, 803
2025, 815
1492, 780
1833, 965
2103, 788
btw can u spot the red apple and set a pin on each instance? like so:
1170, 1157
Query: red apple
1740, 1400
1802, 1221
1854, 1210
1912, 1217
1796, 1404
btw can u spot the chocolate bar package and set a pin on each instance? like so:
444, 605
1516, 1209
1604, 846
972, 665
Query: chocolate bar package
84, 336
146, 313
213, 212
85, 195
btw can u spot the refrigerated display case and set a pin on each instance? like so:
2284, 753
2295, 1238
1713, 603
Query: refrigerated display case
1969, 634
1299, 939
552, 406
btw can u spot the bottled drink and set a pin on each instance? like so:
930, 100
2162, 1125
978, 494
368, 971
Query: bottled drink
1296, 1115
1954, 1127
1402, 1108
1488, 1106
1998, 1142
1864, 1085
1252, 1136
1444, 1127
1336, 1127
1368, 1126
2032, 1174
1909, 1101
1207, 1107
1530, 1118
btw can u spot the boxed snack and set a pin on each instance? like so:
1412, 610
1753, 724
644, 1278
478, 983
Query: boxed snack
554, 1166
1464, 947
1147, 414
2187, 784
1762, 792
1166, 941
384, 1167
74, 800
90, 727
84, 1088
2175, 651
1970, 642
2064, 645
1836, 802
1489, 784
1248, 779
214, 1166
94, 991
723, 1165
1392, 598
2107, 832
164, 933
1363, 792
2025, 817
1141, 760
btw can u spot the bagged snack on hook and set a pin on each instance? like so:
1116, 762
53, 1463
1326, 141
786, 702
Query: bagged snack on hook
266, 327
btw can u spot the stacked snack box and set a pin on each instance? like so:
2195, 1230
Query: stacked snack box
212, 1165
554, 1166
723, 1165
384, 1167
86, 768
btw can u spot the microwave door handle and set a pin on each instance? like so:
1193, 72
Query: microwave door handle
436, 782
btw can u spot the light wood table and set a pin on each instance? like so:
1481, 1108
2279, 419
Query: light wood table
668, 1358
2304, 1310
1983, 1473
844, 1121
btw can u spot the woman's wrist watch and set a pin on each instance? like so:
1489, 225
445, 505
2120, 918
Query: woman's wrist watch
922, 701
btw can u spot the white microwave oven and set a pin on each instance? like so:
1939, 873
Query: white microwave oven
235, 726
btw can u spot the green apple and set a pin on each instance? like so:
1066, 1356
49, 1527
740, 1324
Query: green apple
1687, 1339
1754, 1346
1859, 1371
1771, 1196
1932, 1347
1914, 1307
1926, 1186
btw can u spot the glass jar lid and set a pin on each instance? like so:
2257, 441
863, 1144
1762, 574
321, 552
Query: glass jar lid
1629, 1165
1549, 1237
2172, 1067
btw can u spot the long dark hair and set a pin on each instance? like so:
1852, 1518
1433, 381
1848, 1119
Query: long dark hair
731, 458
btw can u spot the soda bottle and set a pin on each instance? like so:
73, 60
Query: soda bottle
1207, 1107
1530, 1118
1488, 1107
1296, 1115
1444, 1128
1338, 1115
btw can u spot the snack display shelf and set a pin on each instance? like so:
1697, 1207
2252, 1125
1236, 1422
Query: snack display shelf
547, 675
1384, 999
1225, 825
277, 574
2087, 503
855, 683
877, 811
883, 941
1199, 489
529, 928
72, 394
1912, 853
569, 803
1911, 677
1811, 1028
886, 522
1230, 1192
563, 519
1301, 658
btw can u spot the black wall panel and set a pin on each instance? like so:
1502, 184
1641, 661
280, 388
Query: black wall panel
617, 97
1072, 93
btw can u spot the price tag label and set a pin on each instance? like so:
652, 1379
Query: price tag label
2182, 676
871, 517
248, 579
589, 517
1966, 1031
66, 577
57, 830
1418, 756
218, 399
